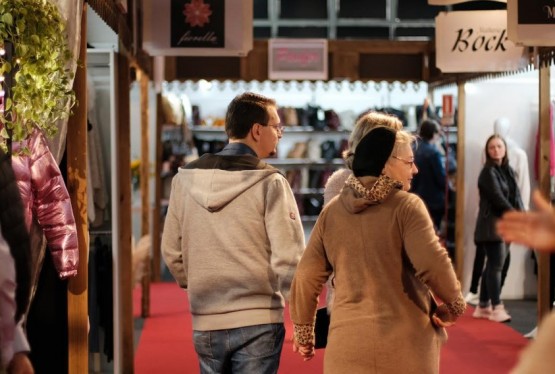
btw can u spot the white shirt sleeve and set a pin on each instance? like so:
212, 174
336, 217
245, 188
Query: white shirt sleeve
519, 162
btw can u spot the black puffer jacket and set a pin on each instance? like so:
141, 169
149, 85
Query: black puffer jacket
14, 230
498, 194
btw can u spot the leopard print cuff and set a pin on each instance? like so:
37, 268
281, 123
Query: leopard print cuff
304, 334
457, 307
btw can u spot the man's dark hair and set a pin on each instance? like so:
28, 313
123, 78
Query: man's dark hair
244, 111
428, 128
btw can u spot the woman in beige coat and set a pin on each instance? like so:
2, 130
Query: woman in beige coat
380, 242
337, 180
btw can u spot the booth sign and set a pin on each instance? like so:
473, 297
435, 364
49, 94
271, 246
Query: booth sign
298, 59
476, 41
451, 2
532, 22
197, 27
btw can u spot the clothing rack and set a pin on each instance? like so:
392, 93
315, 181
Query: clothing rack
100, 232
100, 298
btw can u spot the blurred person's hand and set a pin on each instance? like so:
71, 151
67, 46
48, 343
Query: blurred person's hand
533, 229
20, 364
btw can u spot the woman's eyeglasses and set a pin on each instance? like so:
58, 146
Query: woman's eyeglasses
410, 163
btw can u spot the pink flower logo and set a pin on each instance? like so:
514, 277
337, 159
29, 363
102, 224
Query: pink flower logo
197, 13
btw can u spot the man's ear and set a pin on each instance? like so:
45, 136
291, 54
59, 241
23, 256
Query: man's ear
256, 132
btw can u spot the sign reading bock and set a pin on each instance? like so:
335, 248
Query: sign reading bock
197, 27
476, 41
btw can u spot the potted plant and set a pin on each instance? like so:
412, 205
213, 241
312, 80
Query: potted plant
32, 33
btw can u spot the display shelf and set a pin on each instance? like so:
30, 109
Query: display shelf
300, 130
294, 163
309, 191
308, 185
309, 219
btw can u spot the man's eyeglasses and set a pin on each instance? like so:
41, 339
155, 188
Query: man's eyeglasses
410, 163
279, 127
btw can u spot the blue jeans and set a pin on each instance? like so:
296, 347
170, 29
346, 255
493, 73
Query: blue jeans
250, 349
490, 288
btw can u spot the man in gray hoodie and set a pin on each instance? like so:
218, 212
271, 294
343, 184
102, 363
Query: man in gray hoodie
232, 238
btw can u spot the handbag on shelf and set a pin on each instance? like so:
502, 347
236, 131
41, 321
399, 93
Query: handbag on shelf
321, 328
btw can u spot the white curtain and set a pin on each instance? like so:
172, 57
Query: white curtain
71, 12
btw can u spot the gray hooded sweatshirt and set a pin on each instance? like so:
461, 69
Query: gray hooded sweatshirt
232, 238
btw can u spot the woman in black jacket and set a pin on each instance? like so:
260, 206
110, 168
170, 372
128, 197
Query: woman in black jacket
498, 193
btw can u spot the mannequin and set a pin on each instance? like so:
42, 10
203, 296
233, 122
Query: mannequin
517, 159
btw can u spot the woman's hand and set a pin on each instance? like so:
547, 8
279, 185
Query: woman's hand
442, 317
306, 350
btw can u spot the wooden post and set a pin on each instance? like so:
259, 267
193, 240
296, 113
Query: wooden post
157, 211
124, 279
544, 302
459, 215
76, 140
145, 191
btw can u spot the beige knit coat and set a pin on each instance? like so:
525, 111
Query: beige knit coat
386, 258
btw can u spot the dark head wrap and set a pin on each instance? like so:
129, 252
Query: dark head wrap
373, 151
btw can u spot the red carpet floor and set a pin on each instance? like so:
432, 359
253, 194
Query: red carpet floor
165, 345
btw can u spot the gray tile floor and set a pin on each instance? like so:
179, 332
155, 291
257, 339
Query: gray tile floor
524, 314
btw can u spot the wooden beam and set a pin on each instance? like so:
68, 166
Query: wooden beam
255, 65
544, 302
345, 65
124, 279
401, 47
345, 61
157, 211
460, 189
77, 304
145, 190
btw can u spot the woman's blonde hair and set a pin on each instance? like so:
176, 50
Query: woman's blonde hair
364, 124
402, 138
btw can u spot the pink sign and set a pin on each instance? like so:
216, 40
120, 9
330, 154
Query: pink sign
298, 59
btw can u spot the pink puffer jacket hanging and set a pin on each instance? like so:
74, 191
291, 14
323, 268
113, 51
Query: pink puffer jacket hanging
45, 197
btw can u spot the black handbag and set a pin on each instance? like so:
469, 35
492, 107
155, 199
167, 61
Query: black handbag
321, 327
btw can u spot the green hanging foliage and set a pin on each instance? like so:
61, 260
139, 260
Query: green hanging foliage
42, 90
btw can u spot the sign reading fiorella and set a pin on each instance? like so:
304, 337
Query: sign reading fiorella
197, 27
476, 41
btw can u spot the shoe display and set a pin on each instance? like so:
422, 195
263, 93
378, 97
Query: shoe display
482, 312
472, 298
499, 314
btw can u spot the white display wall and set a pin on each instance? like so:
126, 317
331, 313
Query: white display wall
516, 98
214, 96
352, 98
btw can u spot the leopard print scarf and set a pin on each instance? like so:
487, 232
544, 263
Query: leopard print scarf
378, 192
